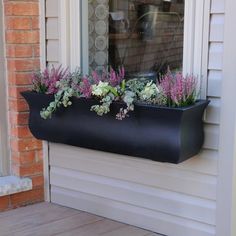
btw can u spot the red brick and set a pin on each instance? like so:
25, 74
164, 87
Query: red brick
22, 65
15, 92
37, 181
18, 23
17, 118
22, 36
39, 155
37, 50
22, 145
21, 9
35, 22
29, 170
4, 203
18, 105
22, 158
28, 197
19, 78
23, 53
21, 132
19, 51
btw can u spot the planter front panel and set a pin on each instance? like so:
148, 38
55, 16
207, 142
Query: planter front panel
157, 133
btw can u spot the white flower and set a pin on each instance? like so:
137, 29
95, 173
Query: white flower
101, 89
149, 91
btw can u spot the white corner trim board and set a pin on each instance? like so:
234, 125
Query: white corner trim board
12, 184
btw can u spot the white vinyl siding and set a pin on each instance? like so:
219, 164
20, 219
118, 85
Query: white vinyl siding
52, 32
176, 200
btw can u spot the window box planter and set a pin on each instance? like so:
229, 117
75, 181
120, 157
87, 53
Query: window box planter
152, 132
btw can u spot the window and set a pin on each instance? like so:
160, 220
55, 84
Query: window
93, 32
144, 36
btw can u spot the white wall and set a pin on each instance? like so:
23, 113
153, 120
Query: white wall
176, 200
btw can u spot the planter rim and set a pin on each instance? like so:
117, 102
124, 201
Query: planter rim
137, 103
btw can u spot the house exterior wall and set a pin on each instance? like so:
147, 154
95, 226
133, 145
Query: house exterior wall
173, 200
22, 55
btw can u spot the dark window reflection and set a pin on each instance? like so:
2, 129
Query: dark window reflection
146, 36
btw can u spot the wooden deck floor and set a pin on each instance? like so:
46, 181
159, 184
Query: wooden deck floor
46, 219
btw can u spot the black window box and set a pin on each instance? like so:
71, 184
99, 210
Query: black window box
158, 133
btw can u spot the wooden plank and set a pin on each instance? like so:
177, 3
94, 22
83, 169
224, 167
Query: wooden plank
128, 230
147, 197
81, 223
14, 225
27, 211
95, 228
58, 226
151, 220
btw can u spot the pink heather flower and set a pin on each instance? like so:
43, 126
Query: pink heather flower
85, 87
178, 90
48, 79
116, 78
104, 75
53, 76
96, 77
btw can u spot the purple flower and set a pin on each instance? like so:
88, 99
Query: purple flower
46, 82
179, 90
85, 87
116, 78
96, 77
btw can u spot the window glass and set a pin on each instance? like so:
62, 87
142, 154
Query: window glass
146, 36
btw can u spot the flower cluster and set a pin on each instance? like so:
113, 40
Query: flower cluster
46, 81
173, 90
178, 90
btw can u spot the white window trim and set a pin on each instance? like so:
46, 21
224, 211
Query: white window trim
4, 144
74, 37
196, 40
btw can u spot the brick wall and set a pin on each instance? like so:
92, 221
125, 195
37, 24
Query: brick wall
22, 57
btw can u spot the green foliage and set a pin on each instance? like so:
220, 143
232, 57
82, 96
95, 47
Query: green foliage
106, 102
173, 90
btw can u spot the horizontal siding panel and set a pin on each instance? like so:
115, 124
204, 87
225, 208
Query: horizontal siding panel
52, 28
141, 217
216, 56
142, 172
206, 163
213, 111
52, 8
214, 83
53, 50
146, 197
217, 28
217, 6
211, 137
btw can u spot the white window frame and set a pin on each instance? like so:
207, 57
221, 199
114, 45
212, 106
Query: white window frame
4, 147
74, 37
